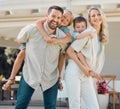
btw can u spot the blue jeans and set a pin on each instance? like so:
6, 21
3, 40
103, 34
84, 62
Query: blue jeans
50, 97
25, 92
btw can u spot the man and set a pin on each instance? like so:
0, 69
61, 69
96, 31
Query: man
41, 61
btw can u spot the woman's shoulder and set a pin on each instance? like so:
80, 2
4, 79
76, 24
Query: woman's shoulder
90, 28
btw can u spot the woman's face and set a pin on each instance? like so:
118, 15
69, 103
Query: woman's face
95, 17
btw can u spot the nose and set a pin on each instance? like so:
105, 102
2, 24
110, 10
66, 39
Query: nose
56, 19
97, 17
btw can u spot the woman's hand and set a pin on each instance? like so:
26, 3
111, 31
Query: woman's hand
95, 75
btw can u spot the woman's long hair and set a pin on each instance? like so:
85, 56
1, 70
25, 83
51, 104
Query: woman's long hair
103, 33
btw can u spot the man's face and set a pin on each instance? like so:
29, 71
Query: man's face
54, 19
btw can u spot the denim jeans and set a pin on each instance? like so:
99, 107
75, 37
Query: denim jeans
50, 97
24, 95
25, 92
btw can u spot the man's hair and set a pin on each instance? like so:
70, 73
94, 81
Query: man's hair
56, 8
78, 20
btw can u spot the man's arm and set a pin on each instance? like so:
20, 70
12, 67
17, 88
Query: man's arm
60, 67
60, 64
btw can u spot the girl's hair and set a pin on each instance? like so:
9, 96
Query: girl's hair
103, 29
78, 20
70, 13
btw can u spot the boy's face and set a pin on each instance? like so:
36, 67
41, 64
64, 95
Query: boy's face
66, 19
54, 19
80, 26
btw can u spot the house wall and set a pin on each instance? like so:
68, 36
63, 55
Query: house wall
112, 52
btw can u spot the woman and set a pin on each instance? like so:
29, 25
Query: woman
80, 85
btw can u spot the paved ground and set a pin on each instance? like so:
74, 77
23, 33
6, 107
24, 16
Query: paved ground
10, 104
37, 107
30, 107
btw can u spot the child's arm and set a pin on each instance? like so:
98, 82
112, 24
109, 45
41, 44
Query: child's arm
39, 24
16, 67
66, 39
17, 63
84, 34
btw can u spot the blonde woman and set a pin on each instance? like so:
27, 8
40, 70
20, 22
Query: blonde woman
79, 84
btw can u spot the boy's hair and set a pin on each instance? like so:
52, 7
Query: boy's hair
56, 8
78, 20
68, 11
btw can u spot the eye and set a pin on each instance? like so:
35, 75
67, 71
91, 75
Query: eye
93, 16
53, 16
99, 14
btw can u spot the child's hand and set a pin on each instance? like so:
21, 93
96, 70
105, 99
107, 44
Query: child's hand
91, 34
48, 39
55, 40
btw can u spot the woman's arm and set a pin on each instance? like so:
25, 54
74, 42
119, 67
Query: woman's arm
81, 57
81, 62
72, 54
91, 71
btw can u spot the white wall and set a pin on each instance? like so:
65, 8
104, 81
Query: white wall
112, 63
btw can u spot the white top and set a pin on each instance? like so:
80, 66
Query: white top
41, 60
92, 49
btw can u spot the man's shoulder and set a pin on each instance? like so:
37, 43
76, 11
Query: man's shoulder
29, 27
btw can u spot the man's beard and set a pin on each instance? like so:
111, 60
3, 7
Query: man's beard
52, 24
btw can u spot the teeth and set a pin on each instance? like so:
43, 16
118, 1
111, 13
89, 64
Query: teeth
54, 23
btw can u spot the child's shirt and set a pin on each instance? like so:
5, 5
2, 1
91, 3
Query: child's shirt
23, 46
64, 29
74, 35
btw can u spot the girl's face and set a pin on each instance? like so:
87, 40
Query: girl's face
80, 26
95, 17
66, 19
